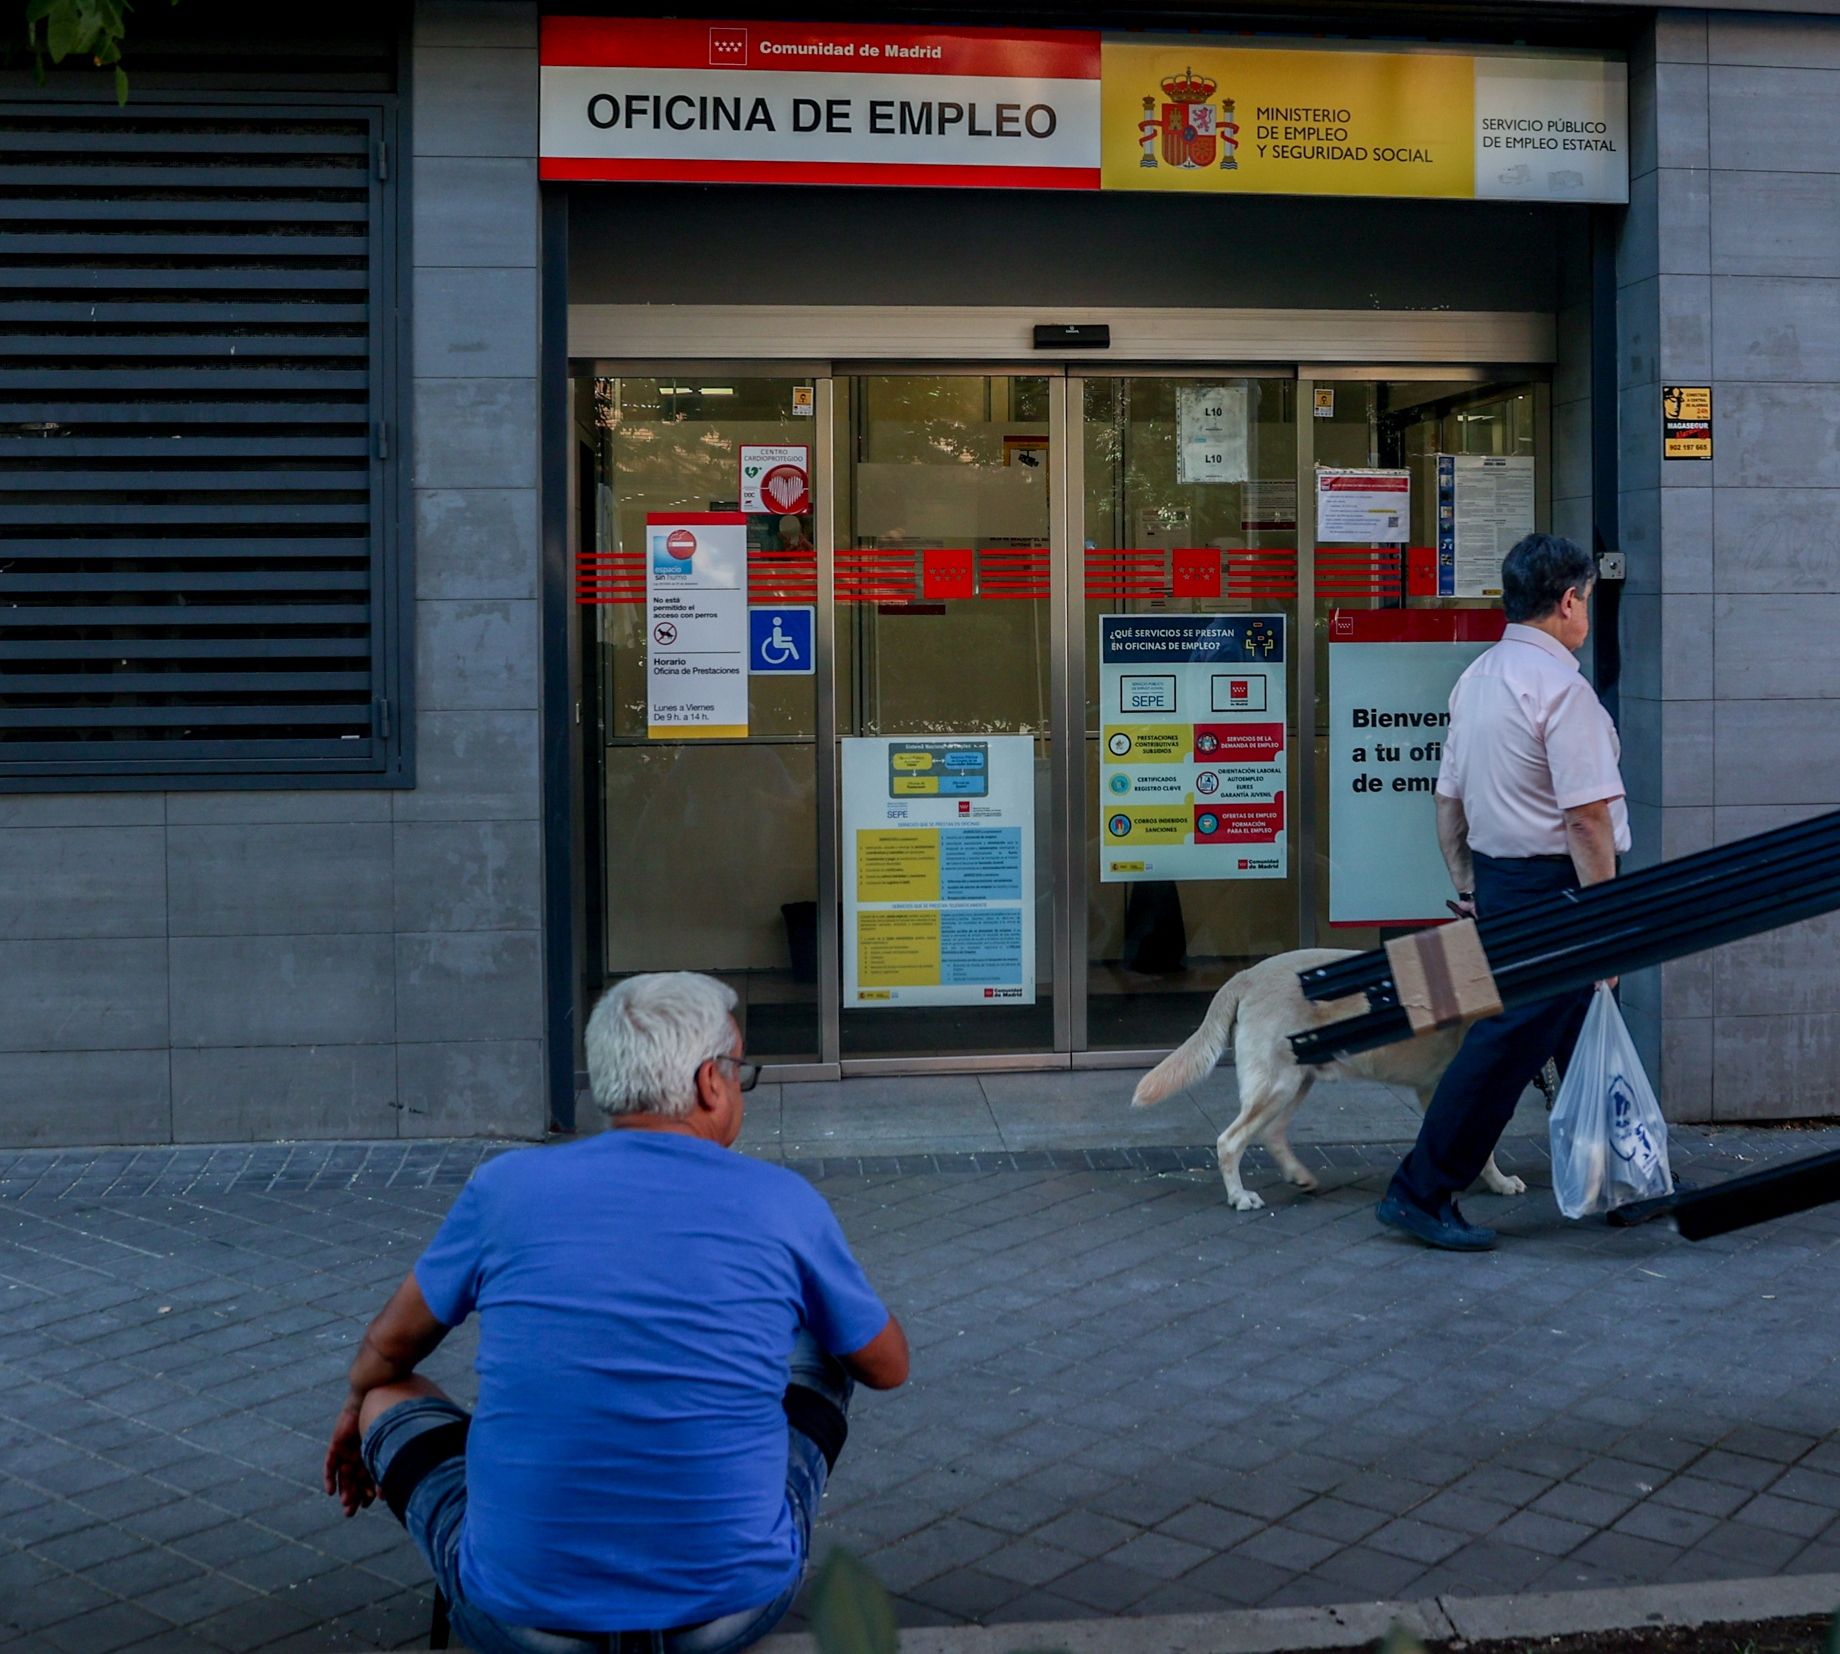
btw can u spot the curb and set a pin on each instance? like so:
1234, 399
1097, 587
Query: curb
1351, 1625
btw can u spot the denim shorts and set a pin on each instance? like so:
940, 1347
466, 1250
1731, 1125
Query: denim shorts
430, 1486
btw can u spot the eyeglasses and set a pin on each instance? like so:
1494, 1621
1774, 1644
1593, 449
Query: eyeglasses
747, 1074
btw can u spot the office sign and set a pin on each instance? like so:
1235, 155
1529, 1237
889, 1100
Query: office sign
797, 103
869, 103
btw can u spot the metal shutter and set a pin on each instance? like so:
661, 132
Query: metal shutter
196, 343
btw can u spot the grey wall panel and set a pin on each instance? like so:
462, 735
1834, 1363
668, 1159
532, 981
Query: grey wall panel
471, 1088
242, 1094
475, 211
82, 810
476, 655
474, 766
1775, 119
476, 23
82, 881
468, 875
1777, 539
1775, 223
101, 995
473, 323
1778, 646
274, 809
61, 1098
308, 879
1772, 41
1776, 328
1779, 752
469, 985
475, 100
476, 542
475, 433
282, 990
1775, 435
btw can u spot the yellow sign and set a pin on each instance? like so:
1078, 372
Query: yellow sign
1686, 422
1195, 117
897, 865
898, 949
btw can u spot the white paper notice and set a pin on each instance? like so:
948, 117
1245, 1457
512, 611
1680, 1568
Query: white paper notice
696, 625
1484, 505
1210, 433
1363, 507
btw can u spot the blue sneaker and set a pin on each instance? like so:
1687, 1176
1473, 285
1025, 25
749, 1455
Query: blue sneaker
1446, 1230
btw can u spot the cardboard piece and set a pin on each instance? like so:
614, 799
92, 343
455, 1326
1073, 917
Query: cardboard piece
1443, 976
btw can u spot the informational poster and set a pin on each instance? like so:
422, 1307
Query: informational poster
1484, 505
775, 479
1391, 672
696, 625
755, 101
1210, 433
1363, 507
1192, 747
939, 871
1686, 422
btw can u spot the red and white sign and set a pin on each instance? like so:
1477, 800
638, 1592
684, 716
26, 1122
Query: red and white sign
793, 103
775, 479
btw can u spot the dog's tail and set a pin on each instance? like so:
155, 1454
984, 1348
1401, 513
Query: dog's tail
1194, 1059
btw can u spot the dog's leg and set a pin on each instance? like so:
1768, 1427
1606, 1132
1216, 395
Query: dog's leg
1497, 1182
1231, 1144
1275, 1137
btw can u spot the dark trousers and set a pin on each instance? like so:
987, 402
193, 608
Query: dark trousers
1499, 1057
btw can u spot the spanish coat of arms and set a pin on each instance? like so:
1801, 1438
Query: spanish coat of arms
1188, 131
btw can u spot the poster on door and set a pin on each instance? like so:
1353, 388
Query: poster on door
1391, 672
1484, 505
1192, 747
939, 871
1363, 507
696, 625
1211, 433
775, 479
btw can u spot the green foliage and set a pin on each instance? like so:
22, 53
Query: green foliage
93, 29
1398, 1640
1833, 1636
850, 1612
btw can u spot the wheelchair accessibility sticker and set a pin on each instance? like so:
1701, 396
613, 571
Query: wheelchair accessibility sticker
780, 640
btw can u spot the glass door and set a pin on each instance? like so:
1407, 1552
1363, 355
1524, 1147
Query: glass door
707, 857
1189, 863
944, 686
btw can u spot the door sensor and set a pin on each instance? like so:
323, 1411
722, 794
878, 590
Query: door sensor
1072, 336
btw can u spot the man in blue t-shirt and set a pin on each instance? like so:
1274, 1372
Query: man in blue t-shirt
668, 1337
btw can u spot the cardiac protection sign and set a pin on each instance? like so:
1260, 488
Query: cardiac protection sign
1192, 758
939, 872
696, 625
775, 479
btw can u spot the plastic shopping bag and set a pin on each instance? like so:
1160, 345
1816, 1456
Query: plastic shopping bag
1609, 1142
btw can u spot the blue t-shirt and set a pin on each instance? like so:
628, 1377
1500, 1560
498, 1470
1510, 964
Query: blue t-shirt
638, 1294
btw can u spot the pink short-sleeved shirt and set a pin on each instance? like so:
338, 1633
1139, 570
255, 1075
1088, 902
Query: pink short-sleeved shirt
1528, 740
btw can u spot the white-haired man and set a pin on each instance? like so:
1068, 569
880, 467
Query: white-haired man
668, 1338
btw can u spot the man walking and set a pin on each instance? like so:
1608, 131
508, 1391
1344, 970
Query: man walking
668, 1335
1529, 805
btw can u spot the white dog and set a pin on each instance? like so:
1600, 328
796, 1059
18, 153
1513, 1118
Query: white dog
1256, 1010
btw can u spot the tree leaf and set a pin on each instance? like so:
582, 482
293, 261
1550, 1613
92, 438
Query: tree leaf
1833, 1636
121, 86
850, 1612
63, 32
35, 9
1398, 1640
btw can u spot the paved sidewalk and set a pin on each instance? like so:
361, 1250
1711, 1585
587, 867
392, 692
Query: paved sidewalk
1128, 1398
